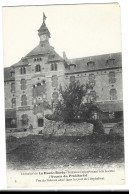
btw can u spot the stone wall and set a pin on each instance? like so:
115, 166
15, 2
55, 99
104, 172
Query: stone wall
53, 128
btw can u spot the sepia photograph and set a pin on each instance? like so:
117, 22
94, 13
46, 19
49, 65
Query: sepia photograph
63, 89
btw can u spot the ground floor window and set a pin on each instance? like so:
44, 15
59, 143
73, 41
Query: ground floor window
94, 115
24, 120
40, 122
111, 115
10, 123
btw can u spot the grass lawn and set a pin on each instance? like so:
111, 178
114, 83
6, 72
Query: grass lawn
38, 152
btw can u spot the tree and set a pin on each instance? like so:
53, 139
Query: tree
71, 107
72, 100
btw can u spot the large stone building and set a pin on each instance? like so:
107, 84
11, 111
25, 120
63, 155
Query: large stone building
32, 84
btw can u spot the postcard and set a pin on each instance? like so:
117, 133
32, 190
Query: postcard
63, 95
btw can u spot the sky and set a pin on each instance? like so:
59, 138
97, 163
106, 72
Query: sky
79, 30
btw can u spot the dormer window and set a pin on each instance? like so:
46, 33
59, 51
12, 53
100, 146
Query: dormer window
110, 62
22, 70
54, 67
72, 66
51, 56
91, 64
38, 68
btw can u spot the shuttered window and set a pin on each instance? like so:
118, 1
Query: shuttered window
24, 100
13, 102
23, 84
37, 68
54, 81
92, 79
22, 70
113, 94
72, 79
12, 87
54, 67
112, 78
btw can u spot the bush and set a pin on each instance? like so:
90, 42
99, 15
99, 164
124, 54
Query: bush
98, 128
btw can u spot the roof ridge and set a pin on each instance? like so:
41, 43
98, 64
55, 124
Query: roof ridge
95, 55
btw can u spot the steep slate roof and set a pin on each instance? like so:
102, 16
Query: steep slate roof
100, 62
22, 62
7, 74
111, 107
42, 50
43, 30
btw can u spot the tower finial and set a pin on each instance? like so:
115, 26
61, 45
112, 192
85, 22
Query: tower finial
44, 17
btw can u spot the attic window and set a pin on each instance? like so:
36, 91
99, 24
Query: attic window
110, 61
37, 59
51, 56
90, 63
72, 66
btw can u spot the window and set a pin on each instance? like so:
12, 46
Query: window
72, 66
54, 67
54, 81
110, 61
92, 96
94, 115
40, 122
72, 79
39, 90
37, 68
23, 84
24, 119
55, 97
112, 78
24, 100
92, 79
113, 94
37, 59
13, 102
91, 64
111, 115
12, 87
38, 108
12, 74
22, 70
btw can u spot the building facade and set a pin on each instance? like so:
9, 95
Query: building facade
32, 84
